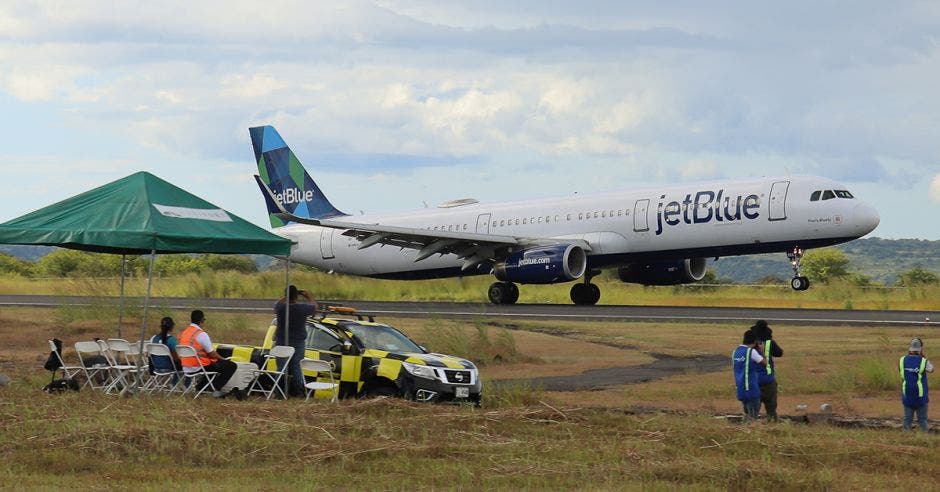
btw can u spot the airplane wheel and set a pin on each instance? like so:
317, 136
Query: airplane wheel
495, 293
799, 283
595, 294
503, 293
585, 294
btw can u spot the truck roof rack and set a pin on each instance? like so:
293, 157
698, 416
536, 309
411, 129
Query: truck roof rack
346, 311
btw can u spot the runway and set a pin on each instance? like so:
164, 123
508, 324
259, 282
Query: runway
560, 312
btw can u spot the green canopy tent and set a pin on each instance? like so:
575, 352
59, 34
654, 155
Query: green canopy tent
142, 214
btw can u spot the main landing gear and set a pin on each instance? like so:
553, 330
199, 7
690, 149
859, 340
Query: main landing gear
503, 293
586, 294
582, 294
798, 282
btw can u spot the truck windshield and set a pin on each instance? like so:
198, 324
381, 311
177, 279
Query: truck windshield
383, 338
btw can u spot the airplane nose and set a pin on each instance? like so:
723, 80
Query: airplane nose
866, 218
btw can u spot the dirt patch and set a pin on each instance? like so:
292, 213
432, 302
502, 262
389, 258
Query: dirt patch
663, 366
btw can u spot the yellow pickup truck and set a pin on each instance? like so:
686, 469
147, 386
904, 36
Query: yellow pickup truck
375, 359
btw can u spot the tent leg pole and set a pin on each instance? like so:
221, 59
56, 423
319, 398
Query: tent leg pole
121, 299
287, 318
143, 322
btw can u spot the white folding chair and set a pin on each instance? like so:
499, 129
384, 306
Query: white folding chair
264, 376
116, 351
209, 376
162, 378
94, 369
317, 367
134, 354
68, 372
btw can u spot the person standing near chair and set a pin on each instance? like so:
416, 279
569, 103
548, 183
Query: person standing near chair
914, 394
297, 311
166, 338
197, 338
767, 375
745, 362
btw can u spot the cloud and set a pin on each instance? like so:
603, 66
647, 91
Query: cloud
934, 188
619, 92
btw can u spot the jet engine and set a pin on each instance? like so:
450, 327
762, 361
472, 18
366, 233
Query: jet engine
663, 272
543, 265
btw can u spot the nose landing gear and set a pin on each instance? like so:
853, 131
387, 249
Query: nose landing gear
798, 282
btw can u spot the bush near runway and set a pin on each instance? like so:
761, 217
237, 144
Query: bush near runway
522, 438
835, 295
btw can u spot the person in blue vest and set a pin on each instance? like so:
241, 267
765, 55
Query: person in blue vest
745, 361
767, 376
914, 394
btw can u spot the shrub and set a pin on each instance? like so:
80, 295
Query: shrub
876, 376
917, 276
12, 265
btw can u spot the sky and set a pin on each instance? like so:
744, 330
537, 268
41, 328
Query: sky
392, 105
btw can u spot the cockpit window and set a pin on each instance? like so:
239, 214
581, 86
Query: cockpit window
828, 195
815, 196
843, 194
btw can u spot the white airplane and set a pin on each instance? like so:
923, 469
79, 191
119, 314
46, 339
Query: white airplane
653, 236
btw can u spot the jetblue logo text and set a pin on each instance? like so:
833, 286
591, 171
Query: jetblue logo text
293, 195
534, 261
706, 207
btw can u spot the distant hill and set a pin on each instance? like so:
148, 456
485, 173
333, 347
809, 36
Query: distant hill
881, 260
30, 253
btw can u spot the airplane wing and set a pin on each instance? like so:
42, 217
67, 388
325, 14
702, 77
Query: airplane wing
473, 248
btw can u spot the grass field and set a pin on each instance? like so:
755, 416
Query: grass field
270, 285
657, 435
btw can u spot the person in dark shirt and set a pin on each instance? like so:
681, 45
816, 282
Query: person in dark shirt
296, 335
163, 363
767, 376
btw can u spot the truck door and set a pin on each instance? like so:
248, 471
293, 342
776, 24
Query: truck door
323, 344
326, 243
640, 223
778, 200
483, 224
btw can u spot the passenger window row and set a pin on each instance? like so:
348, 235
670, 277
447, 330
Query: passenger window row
602, 214
452, 228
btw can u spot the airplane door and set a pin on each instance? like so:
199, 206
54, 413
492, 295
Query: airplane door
778, 200
483, 224
326, 243
640, 223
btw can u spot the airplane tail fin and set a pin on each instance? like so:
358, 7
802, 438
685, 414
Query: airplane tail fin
286, 177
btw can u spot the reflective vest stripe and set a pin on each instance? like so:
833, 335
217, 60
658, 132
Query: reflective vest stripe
903, 377
747, 370
770, 370
920, 376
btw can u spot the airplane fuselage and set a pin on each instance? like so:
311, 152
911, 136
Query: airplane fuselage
669, 223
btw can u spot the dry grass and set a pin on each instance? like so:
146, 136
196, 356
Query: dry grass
270, 285
522, 438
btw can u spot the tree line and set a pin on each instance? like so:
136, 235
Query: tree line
74, 263
820, 265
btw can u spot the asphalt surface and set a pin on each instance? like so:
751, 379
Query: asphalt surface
560, 312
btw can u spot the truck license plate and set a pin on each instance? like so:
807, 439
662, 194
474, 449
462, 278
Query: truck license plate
463, 392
